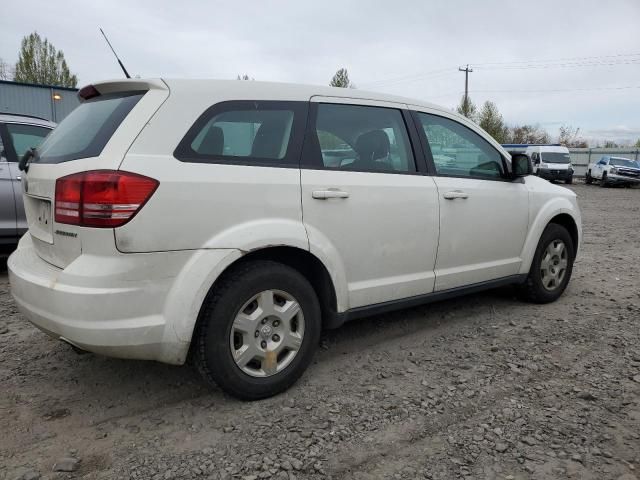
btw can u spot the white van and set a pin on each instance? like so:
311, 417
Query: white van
551, 162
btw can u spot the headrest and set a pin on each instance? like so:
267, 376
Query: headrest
372, 145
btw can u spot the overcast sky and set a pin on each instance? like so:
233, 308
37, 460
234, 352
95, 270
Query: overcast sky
411, 48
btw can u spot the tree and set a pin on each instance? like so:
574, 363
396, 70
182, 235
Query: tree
6, 72
467, 108
637, 145
610, 144
528, 134
341, 79
245, 77
490, 119
40, 62
569, 137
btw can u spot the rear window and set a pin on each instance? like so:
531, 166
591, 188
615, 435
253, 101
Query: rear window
87, 129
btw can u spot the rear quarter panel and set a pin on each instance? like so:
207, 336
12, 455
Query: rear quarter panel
207, 205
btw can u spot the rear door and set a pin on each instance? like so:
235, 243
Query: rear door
22, 136
95, 136
7, 201
367, 210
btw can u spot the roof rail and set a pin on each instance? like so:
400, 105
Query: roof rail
25, 115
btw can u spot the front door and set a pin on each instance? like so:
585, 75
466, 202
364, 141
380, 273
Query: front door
366, 209
484, 216
7, 199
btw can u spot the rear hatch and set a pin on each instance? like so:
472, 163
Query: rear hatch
95, 136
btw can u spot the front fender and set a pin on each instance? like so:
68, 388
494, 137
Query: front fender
541, 217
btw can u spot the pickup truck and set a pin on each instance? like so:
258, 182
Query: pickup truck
613, 170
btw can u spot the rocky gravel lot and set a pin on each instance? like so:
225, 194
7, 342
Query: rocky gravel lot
480, 387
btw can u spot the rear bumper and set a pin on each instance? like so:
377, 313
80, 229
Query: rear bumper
123, 306
551, 174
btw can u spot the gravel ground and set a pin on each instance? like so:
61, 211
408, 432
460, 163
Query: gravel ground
478, 387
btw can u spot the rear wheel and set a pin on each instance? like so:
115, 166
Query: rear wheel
551, 267
258, 330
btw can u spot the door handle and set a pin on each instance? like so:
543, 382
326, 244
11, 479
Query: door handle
19, 177
329, 193
455, 194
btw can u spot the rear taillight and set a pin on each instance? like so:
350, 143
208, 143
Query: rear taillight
101, 198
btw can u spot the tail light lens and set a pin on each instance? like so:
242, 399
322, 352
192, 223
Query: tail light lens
101, 198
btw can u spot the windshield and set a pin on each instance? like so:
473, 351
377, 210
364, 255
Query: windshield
86, 130
555, 157
623, 162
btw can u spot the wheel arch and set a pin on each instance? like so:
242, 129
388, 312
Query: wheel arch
301, 260
567, 221
559, 211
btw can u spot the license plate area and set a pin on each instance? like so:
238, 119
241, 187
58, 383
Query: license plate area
39, 218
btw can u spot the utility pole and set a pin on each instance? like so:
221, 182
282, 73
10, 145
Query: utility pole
466, 71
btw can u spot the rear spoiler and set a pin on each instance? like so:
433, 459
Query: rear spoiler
113, 86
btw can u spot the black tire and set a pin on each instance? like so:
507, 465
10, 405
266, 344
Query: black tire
213, 352
533, 289
569, 180
588, 179
603, 180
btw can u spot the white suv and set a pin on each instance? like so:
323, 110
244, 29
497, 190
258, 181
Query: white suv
234, 220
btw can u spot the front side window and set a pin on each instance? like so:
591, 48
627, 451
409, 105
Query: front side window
363, 138
459, 151
25, 137
244, 132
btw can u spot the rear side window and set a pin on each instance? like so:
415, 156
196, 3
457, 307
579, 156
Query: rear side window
85, 131
246, 133
25, 137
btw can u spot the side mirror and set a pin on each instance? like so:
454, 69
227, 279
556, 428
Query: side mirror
521, 165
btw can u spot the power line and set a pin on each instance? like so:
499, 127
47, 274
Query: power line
626, 87
415, 76
567, 62
561, 59
560, 65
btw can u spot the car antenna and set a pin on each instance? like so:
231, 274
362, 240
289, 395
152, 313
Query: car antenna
126, 74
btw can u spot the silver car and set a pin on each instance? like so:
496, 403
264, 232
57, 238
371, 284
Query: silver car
18, 133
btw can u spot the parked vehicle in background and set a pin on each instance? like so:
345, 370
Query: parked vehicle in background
552, 162
613, 170
18, 133
235, 220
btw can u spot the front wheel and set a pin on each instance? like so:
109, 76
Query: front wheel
569, 180
588, 179
551, 267
258, 330
603, 180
